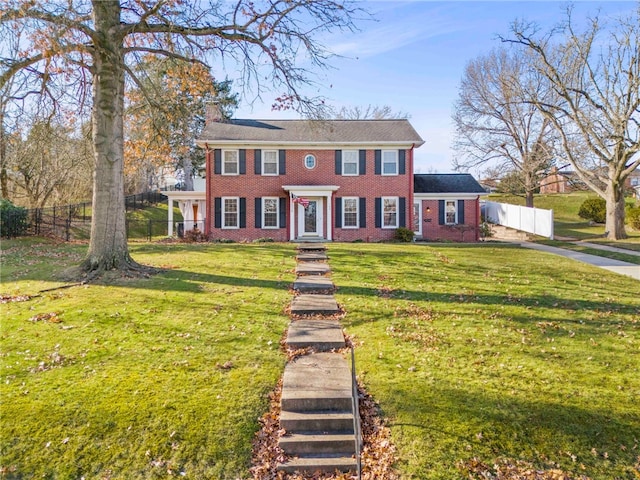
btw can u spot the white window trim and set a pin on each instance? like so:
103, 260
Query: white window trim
223, 213
357, 225
397, 201
224, 172
357, 164
455, 206
315, 161
382, 162
264, 227
264, 156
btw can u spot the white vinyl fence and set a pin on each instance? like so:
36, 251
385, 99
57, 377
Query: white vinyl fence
526, 219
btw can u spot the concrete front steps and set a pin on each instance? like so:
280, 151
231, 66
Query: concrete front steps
500, 232
317, 413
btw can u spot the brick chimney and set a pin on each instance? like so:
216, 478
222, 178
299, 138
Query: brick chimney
214, 113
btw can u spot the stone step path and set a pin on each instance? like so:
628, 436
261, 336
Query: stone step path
317, 399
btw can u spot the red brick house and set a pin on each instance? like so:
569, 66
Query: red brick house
338, 180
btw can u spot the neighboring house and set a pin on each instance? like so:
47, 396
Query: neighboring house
337, 180
559, 181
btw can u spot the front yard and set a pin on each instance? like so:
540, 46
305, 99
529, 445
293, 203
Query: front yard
476, 354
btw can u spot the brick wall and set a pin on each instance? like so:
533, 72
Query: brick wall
467, 232
251, 186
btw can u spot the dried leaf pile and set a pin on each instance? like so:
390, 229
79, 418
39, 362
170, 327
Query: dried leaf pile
507, 469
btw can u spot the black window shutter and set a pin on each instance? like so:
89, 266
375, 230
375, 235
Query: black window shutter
378, 208
363, 212
402, 168
217, 161
283, 212
243, 161
461, 212
338, 212
243, 212
378, 158
282, 162
258, 210
217, 210
338, 162
362, 168
402, 212
257, 161
441, 212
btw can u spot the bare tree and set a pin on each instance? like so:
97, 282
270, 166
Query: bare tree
496, 125
75, 45
596, 76
370, 112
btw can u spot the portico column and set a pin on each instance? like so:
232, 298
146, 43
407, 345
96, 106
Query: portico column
292, 220
170, 217
329, 223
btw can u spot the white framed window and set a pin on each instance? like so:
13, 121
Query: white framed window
350, 162
450, 212
389, 162
230, 162
230, 212
310, 162
350, 212
270, 162
389, 212
270, 212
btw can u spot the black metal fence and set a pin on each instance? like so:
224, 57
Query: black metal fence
73, 222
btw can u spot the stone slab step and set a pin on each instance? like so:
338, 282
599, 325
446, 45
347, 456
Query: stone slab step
307, 304
310, 465
318, 444
312, 268
312, 257
311, 247
319, 421
319, 381
323, 335
313, 283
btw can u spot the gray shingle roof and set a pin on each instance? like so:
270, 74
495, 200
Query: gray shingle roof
311, 132
446, 183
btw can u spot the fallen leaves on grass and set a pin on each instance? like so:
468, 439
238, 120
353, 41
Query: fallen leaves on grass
507, 469
51, 317
14, 298
224, 366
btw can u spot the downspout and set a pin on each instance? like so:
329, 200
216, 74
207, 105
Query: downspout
411, 182
478, 218
208, 189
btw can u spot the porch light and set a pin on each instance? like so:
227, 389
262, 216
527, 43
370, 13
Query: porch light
428, 210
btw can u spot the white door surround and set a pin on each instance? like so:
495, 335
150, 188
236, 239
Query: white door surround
301, 222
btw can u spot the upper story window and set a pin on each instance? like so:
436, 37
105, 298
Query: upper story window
230, 162
450, 212
389, 212
310, 161
270, 162
389, 162
349, 162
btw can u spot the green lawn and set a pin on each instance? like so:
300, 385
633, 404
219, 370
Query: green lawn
489, 352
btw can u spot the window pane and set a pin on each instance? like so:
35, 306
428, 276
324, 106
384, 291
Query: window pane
231, 161
270, 212
349, 162
450, 212
270, 163
390, 211
389, 162
350, 212
230, 212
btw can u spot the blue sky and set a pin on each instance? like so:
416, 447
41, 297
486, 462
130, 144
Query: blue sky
412, 57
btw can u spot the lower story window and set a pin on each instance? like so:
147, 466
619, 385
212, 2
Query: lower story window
230, 212
350, 213
450, 212
270, 212
389, 212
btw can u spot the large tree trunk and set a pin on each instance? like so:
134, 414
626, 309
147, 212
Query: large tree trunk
108, 247
614, 225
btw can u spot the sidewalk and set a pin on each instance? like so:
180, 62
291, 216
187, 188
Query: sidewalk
616, 266
608, 248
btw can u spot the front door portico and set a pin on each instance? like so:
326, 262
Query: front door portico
313, 221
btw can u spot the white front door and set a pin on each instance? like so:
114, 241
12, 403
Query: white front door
310, 219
